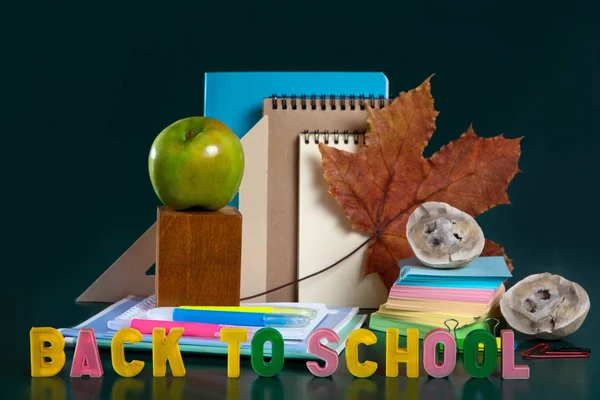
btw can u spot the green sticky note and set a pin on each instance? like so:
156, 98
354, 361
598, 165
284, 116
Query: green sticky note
257, 347
470, 350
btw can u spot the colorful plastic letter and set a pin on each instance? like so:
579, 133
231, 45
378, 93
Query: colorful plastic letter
117, 351
356, 368
430, 343
165, 348
509, 369
315, 347
470, 349
233, 337
409, 355
86, 359
257, 349
41, 368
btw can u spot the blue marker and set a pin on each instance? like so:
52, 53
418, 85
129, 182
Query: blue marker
228, 318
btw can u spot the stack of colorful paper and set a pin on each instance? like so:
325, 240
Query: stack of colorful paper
427, 298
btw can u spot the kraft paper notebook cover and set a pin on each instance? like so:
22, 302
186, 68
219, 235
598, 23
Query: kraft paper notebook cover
288, 117
236, 99
326, 235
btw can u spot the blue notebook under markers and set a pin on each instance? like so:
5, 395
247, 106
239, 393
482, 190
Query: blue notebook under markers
342, 320
481, 273
236, 98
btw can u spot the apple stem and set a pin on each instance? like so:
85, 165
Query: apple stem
190, 134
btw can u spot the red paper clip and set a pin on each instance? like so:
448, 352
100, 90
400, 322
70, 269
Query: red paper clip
563, 352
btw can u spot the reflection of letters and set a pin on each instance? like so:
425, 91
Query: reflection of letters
233, 389
322, 388
48, 388
393, 392
510, 387
440, 389
360, 389
86, 388
476, 388
172, 391
124, 386
270, 388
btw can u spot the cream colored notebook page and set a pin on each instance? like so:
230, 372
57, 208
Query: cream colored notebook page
325, 234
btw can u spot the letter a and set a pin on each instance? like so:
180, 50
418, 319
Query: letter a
86, 359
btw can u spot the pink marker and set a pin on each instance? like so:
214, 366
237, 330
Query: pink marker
145, 326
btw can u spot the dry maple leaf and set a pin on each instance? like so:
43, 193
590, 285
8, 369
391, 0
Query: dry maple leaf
381, 184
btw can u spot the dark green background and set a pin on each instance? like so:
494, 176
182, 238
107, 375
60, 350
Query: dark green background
86, 86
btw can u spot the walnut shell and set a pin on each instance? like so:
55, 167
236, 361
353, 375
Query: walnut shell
545, 306
442, 236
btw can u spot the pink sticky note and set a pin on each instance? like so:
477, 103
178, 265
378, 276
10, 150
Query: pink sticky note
509, 369
86, 359
315, 347
448, 363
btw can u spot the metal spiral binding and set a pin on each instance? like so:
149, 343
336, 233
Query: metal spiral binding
332, 102
358, 137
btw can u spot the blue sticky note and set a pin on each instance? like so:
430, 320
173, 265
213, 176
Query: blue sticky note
481, 273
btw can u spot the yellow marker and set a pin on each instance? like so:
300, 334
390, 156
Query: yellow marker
39, 366
409, 355
356, 368
117, 351
165, 348
233, 337
259, 309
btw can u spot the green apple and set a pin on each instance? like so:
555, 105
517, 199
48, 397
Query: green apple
196, 162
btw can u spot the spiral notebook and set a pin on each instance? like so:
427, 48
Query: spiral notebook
287, 119
326, 235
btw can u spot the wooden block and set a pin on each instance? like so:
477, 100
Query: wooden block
198, 257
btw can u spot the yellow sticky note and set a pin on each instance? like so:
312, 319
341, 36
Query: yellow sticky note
117, 351
55, 352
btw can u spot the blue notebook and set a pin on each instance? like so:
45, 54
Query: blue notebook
236, 98
481, 273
